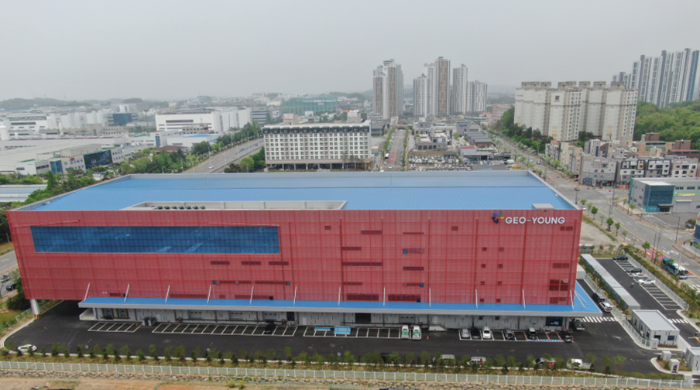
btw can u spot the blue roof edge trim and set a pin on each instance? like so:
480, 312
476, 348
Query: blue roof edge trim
583, 306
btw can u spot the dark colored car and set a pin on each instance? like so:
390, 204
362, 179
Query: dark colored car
509, 335
11, 287
568, 337
597, 298
623, 257
269, 328
476, 334
577, 324
532, 334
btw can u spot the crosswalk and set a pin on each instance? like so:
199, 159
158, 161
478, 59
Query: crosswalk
598, 319
679, 321
599, 201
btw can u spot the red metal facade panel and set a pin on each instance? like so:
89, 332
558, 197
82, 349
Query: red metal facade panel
456, 256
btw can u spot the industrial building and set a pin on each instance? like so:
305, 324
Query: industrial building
675, 195
448, 249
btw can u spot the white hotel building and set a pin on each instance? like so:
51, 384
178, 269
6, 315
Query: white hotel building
318, 146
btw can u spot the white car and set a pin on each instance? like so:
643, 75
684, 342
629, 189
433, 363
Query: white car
605, 306
465, 334
646, 282
486, 333
26, 348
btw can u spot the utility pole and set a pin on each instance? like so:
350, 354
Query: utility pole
678, 227
612, 202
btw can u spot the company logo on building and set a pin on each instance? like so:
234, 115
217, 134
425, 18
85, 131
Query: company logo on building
497, 217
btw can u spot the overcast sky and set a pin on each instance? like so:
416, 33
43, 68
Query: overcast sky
177, 49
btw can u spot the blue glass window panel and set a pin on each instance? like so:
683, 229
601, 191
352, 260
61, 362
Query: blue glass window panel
180, 239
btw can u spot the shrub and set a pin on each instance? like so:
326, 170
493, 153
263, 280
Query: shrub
42, 351
154, 352
140, 355
126, 351
231, 384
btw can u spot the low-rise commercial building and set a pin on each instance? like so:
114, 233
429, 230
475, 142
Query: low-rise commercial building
665, 194
654, 326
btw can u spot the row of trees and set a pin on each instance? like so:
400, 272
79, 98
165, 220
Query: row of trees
248, 132
526, 136
252, 163
435, 362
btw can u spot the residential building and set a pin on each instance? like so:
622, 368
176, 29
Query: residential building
316, 249
563, 112
683, 148
675, 195
597, 171
479, 96
441, 88
317, 145
667, 79
461, 91
420, 96
497, 110
388, 89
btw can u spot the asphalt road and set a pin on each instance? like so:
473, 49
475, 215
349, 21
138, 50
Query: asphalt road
61, 324
639, 232
8, 262
218, 162
396, 150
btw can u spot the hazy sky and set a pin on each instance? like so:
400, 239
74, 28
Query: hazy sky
177, 49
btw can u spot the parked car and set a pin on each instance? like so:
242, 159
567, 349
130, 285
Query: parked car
646, 281
577, 324
11, 287
417, 335
269, 328
26, 348
465, 334
405, 332
542, 361
476, 335
486, 333
531, 334
634, 271
4, 278
478, 359
622, 257
509, 335
597, 298
568, 337
605, 306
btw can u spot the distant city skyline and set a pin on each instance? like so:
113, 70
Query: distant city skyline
160, 50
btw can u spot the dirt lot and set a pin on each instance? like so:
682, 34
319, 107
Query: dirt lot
592, 235
117, 384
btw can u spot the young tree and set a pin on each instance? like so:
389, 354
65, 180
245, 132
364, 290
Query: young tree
140, 355
78, 351
126, 351
154, 351
619, 361
288, 353
646, 245
594, 211
349, 358
618, 225
606, 364
610, 222
168, 353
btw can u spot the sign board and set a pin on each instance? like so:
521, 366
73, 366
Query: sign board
342, 330
317, 329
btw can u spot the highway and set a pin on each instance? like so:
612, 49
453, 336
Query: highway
8, 262
638, 231
218, 162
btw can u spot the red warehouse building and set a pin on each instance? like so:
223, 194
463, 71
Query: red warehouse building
449, 249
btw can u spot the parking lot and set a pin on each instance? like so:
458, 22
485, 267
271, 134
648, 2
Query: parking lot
124, 327
499, 335
225, 330
659, 296
376, 333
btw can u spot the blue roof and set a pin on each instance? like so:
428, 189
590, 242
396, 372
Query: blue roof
583, 305
507, 190
201, 135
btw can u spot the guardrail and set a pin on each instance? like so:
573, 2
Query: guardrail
327, 374
660, 285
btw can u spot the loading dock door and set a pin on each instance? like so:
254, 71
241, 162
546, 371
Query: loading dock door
407, 318
363, 318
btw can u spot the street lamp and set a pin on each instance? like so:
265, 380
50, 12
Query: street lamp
577, 189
